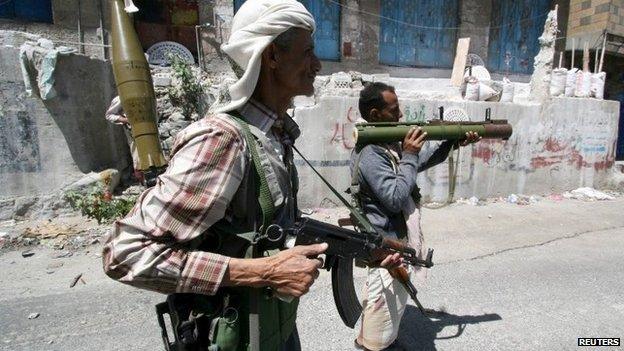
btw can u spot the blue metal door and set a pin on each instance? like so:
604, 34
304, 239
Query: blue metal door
34, 10
327, 35
6, 9
418, 32
515, 28
238, 4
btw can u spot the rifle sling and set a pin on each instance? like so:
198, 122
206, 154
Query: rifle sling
361, 220
267, 208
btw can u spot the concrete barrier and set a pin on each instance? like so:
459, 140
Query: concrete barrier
560, 145
47, 145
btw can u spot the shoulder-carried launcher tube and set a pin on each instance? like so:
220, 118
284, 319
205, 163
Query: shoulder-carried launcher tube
136, 92
370, 133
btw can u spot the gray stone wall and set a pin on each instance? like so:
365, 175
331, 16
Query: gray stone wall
47, 145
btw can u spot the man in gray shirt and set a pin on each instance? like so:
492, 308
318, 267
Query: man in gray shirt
386, 174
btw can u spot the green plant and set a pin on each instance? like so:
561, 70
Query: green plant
99, 204
188, 94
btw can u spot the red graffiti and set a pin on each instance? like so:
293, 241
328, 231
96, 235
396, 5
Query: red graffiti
483, 152
338, 137
553, 145
488, 151
355, 112
542, 161
556, 152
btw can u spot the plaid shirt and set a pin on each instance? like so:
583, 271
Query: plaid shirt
147, 248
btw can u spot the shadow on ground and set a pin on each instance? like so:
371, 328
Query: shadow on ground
419, 333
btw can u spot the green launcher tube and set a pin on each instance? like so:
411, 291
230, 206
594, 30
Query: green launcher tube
370, 133
134, 85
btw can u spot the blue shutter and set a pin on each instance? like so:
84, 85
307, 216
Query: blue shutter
327, 35
34, 10
515, 28
238, 4
7, 9
403, 44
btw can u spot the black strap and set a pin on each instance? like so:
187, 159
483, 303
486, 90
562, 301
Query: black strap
264, 197
361, 220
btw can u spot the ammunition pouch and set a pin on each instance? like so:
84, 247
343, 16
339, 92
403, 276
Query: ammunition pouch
196, 321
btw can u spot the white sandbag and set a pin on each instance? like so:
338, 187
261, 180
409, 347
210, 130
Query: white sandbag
508, 91
486, 92
583, 83
597, 85
558, 81
472, 89
570, 85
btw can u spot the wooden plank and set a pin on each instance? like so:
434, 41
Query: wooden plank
461, 54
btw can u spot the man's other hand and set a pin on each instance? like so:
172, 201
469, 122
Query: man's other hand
384, 260
123, 120
471, 137
414, 140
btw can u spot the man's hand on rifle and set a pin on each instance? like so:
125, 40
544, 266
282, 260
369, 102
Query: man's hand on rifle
385, 260
293, 271
471, 137
290, 272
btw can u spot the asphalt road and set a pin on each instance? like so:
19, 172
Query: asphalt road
508, 277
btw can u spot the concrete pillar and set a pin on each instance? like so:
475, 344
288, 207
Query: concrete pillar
474, 22
359, 32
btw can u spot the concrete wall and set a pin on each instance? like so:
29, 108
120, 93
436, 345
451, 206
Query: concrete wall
46, 145
561, 145
59, 35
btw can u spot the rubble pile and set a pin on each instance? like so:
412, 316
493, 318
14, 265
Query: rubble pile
171, 119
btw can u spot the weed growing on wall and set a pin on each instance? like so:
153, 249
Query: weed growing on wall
99, 204
187, 94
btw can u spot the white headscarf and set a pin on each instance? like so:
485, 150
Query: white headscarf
256, 24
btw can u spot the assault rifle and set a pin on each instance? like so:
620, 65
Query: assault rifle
366, 245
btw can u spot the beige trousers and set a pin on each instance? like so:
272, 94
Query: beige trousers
384, 298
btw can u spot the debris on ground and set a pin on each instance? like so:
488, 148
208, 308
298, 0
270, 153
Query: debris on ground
75, 280
33, 315
52, 267
27, 253
587, 194
65, 234
49, 230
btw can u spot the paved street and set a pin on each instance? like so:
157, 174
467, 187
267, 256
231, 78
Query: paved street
508, 277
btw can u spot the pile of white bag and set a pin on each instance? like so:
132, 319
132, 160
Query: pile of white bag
575, 83
478, 87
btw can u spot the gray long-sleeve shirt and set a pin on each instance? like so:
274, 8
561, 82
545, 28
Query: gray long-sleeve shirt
386, 185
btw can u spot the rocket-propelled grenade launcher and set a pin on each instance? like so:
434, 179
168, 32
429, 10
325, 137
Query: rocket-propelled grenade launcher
439, 129
136, 92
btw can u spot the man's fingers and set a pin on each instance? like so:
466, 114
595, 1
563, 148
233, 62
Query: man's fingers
409, 135
311, 250
421, 138
417, 134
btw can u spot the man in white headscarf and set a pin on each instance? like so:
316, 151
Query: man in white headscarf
190, 233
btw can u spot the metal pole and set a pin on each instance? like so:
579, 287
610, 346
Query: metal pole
81, 48
199, 47
102, 30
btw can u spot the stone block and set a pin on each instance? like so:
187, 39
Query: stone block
162, 79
